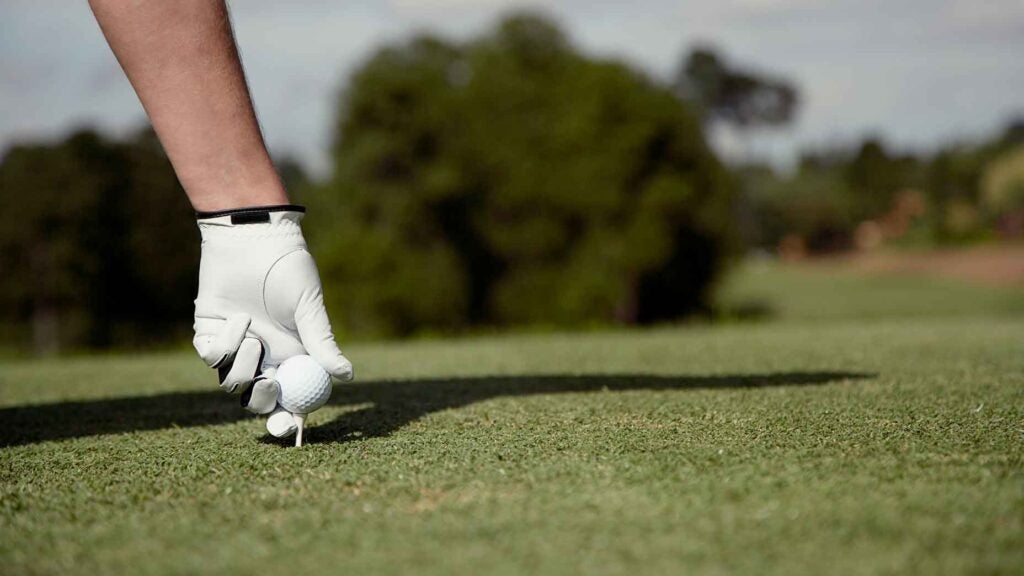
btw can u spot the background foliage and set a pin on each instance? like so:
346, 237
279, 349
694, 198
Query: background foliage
98, 246
511, 180
506, 180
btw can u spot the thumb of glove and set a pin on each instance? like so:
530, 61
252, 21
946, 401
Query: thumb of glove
295, 298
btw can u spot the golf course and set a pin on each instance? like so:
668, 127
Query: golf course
836, 423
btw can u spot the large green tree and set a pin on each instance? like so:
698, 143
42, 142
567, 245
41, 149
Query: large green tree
97, 244
512, 180
734, 95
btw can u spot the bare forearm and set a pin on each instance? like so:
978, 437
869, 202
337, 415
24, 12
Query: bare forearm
180, 57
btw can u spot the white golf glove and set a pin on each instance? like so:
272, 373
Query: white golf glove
260, 302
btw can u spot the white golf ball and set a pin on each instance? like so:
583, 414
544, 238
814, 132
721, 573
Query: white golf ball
305, 385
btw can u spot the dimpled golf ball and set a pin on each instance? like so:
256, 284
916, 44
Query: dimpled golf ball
305, 385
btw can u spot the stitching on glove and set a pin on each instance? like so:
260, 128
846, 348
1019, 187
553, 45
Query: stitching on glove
263, 292
282, 229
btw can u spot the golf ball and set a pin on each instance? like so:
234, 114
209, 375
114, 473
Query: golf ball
305, 385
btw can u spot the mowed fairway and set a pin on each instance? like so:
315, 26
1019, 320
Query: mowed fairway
868, 444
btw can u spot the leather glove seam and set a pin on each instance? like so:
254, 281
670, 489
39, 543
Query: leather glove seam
263, 291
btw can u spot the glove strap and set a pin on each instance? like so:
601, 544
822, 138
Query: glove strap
251, 214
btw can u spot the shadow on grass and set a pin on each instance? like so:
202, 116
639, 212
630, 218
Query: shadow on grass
392, 403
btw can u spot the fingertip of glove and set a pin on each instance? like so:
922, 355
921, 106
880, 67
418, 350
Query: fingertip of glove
262, 396
344, 372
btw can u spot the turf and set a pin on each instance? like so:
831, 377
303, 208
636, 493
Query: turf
817, 292
856, 446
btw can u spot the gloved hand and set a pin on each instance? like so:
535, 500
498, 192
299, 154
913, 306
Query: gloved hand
260, 302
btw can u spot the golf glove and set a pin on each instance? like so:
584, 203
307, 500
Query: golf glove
260, 302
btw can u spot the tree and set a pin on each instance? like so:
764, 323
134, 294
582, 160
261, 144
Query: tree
100, 243
876, 175
1013, 134
512, 180
735, 96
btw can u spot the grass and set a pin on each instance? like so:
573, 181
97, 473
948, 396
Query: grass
824, 293
857, 445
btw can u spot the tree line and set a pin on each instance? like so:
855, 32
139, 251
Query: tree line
868, 195
506, 180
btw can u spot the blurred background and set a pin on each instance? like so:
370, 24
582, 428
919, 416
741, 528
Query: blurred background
480, 165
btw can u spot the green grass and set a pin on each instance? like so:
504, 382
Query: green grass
809, 292
856, 446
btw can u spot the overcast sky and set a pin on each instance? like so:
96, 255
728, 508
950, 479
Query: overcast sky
916, 72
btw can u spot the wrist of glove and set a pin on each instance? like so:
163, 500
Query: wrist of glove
260, 302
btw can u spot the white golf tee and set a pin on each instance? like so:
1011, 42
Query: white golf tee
300, 423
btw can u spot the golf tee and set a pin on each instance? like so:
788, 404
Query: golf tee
300, 424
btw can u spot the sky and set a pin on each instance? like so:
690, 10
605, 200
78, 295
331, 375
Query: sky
917, 73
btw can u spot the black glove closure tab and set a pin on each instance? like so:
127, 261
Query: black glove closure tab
252, 214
